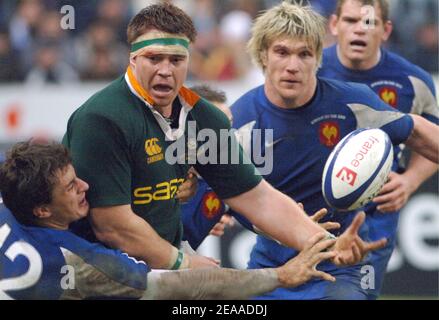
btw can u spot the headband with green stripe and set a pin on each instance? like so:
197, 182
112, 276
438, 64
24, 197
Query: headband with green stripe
161, 42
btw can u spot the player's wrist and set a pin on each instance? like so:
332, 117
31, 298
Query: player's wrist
329, 236
178, 260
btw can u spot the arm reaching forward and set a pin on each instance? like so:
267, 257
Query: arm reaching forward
241, 284
281, 218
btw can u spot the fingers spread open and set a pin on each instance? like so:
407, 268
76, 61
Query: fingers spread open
316, 217
357, 253
323, 275
375, 245
314, 239
322, 245
330, 225
322, 256
356, 223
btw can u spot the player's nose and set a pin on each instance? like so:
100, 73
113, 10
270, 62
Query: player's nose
164, 68
83, 186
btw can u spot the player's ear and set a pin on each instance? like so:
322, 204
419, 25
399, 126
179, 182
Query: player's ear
388, 28
41, 212
264, 58
133, 62
333, 20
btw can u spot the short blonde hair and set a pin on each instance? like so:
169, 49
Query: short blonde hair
290, 20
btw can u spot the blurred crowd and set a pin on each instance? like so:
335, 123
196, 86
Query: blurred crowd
35, 49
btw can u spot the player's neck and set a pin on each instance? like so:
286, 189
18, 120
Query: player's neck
165, 111
362, 65
291, 103
52, 224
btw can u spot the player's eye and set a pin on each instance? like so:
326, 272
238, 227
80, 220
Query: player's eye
72, 186
154, 59
370, 22
305, 54
177, 59
281, 52
349, 20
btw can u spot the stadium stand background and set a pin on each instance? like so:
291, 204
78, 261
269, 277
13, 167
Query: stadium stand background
46, 72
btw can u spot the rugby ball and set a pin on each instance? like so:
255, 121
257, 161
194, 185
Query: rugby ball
357, 169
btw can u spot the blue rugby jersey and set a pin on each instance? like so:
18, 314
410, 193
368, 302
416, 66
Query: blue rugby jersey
42, 263
303, 138
405, 87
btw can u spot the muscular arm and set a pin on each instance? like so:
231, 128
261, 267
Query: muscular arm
424, 138
119, 227
264, 205
241, 284
210, 284
399, 187
419, 170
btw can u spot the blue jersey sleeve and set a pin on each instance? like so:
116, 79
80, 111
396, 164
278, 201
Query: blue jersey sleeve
371, 112
425, 100
200, 214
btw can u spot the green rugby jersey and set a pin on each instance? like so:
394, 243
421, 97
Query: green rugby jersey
118, 144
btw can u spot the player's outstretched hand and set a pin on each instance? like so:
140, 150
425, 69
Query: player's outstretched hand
317, 216
350, 248
188, 188
302, 268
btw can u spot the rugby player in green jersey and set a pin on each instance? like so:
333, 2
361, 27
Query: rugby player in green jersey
120, 140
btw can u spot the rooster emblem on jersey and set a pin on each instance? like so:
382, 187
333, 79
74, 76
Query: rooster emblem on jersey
389, 96
329, 133
211, 205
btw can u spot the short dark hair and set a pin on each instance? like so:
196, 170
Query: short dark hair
209, 94
28, 176
383, 4
164, 17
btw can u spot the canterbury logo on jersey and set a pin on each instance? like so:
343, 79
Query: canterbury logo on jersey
160, 192
153, 150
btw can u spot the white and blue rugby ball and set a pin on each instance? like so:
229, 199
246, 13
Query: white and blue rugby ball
357, 169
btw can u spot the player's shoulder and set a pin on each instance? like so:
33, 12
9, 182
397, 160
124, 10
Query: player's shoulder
407, 68
342, 90
248, 105
109, 101
247, 97
208, 116
114, 104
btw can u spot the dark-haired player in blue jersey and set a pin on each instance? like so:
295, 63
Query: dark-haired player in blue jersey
41, 259
358, 57
309, 115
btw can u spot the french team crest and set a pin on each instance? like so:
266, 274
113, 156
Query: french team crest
389, 95
329, 133
211, 205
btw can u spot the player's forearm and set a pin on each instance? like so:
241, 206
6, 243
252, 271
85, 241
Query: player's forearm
419, 170
210, 284
424, 138
134, 236
276, 215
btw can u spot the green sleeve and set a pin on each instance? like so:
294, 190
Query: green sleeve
232, 178
100, 156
